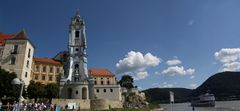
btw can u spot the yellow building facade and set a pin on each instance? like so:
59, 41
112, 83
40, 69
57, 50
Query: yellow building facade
46, 70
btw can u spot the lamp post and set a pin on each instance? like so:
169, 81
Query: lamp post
18, 82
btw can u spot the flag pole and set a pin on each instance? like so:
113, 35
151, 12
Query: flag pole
171, 99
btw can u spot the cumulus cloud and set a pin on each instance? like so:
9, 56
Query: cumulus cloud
173, 70
233, 66
227, 55
173, 62
140, 75
230, 58
136, 63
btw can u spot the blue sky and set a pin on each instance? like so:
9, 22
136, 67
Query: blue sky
197, 37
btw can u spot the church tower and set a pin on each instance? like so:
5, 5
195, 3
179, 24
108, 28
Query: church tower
76, 84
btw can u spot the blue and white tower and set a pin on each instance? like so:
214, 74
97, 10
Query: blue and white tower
76, 84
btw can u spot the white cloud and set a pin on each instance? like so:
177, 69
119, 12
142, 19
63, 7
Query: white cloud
173, 70
173, 62
192, 77
233, 66
226, 55
193, 86
136, 61
140, 75
230, 57
136, 64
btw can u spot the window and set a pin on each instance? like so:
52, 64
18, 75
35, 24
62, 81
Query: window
102, 82
76, 49
50, 78
36, 68
15, 49
111, 90
51, 69
76, 91
13, 60
108, 82
104, 90
43, 77
57, 78
57, 69
27, 63
97, 91
95, 82
36, 77
44, 69
77, 34
29, 53
26, 74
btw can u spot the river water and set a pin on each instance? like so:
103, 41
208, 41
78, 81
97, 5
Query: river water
220, 106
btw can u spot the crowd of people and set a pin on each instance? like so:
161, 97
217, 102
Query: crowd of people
31, 106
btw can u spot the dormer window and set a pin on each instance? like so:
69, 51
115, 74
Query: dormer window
77, 34
77, 20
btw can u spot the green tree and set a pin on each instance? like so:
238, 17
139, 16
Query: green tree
126, 81
52, 90
6, 88
36, 90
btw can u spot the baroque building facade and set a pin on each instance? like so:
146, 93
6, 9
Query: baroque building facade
46, 70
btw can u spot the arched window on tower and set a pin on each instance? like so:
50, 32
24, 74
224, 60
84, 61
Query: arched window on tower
76, 69
77, 34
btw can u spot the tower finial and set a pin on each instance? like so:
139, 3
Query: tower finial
78, 12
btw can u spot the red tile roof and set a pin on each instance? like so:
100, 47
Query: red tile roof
100, 72
47, 61
3, 37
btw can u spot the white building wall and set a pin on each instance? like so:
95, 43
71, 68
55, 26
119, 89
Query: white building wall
114, 95
20, 64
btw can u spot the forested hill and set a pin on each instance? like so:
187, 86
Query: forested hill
161, 95
224, 85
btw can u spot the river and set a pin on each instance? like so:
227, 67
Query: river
220, 106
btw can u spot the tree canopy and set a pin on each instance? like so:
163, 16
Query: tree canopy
6, 88
126, 81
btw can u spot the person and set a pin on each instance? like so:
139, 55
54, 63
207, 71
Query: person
193, 108
66, 107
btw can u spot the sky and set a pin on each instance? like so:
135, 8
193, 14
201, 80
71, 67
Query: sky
161, 43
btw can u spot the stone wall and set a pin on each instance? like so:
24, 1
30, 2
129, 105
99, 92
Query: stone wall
97, 104
105, 104
83, 104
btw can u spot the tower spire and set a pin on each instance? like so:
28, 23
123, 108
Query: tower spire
78, 12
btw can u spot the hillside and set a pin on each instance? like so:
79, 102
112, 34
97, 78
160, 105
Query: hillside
225, 86
161, 95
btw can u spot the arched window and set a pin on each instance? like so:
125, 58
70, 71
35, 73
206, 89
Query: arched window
104, 90
84, 93
76, 34
97, 90
76, 91
13, 60
111, 90
76, 67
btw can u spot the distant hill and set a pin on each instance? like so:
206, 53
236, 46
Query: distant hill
161, 95
224, 85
